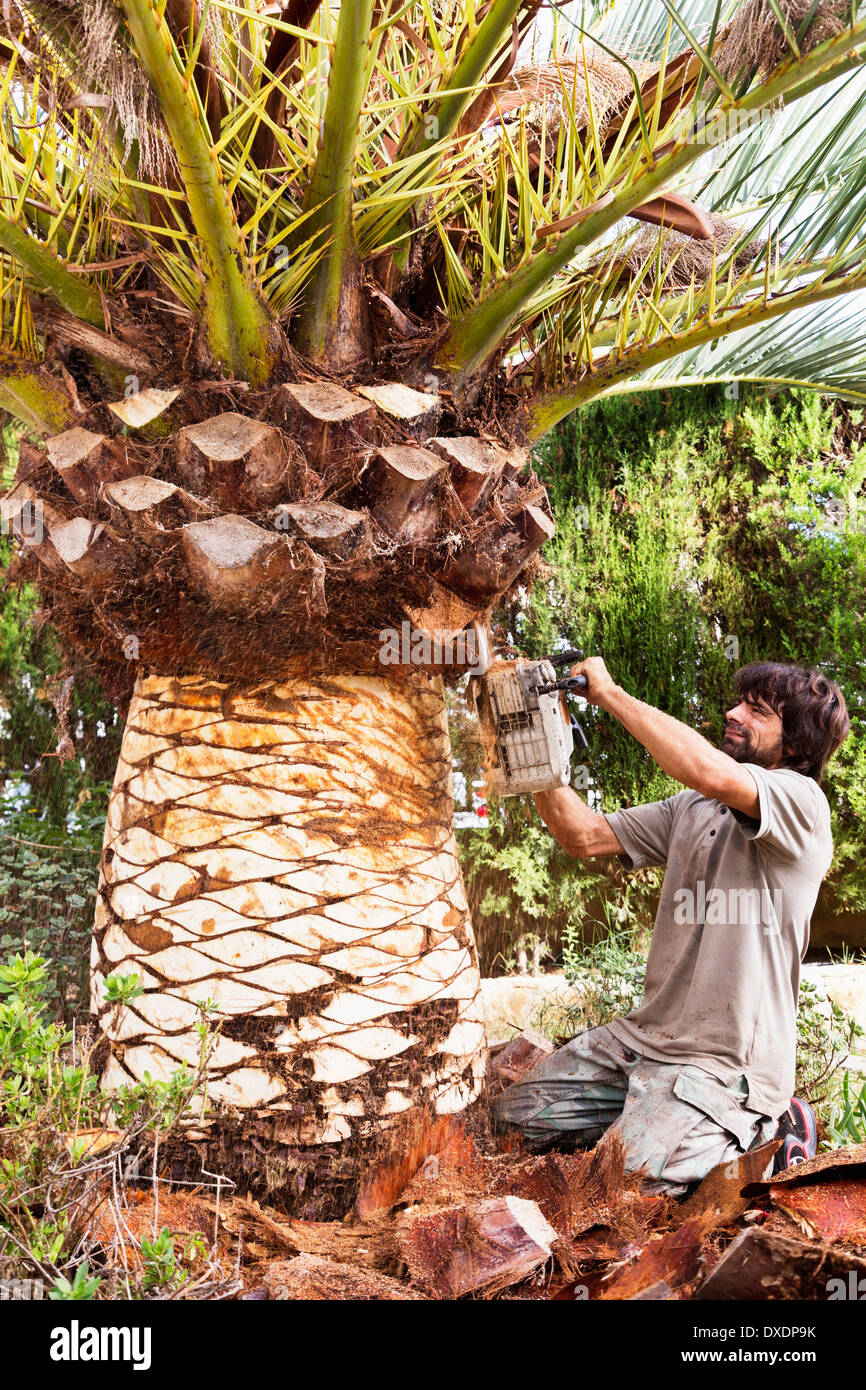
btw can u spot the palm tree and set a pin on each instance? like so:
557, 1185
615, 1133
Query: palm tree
289, 291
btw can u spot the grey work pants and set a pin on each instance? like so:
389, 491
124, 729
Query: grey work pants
675, 1122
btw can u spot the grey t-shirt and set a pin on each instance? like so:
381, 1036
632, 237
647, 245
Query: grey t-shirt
732, 927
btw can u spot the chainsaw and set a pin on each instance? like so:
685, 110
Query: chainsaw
526, 727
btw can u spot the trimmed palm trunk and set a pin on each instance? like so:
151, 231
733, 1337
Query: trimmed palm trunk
286, 850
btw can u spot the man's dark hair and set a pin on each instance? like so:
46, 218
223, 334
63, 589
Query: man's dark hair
814, 715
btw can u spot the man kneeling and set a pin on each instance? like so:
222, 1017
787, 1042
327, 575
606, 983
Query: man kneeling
703, 1069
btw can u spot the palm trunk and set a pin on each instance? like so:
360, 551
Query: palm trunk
287, 851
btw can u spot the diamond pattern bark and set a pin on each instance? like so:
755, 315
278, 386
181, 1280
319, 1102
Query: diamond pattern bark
286, 850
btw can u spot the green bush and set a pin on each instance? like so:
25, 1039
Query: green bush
847, 1120
51, 1178
825, 1036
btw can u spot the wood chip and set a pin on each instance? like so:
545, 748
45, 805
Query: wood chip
490, 1245
520, 1055
674, 1259
832, 1210
139, 410
761, 1265
851, 1156
719, 1200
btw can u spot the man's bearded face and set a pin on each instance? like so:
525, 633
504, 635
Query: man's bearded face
753, 734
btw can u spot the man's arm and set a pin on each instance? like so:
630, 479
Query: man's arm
679, 751
573, 825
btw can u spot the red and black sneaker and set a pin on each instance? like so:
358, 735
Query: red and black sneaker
798, 1130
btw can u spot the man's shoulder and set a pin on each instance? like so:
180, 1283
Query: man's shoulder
673, 806
793, 785
794, 817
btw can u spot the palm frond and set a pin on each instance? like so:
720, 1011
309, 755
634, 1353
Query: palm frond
649, 350
238, 326
821, 347
472, 339
484, 164
334, 320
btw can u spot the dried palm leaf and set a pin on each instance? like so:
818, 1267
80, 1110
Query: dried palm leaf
685, 259
757, 42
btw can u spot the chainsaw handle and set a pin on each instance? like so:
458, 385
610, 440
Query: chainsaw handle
571, 683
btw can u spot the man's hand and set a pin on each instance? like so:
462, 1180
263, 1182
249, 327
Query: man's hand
600, 683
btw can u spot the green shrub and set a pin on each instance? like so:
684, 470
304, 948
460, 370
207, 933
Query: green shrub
51, 1176
825, 1035
847, 1120
694, 534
